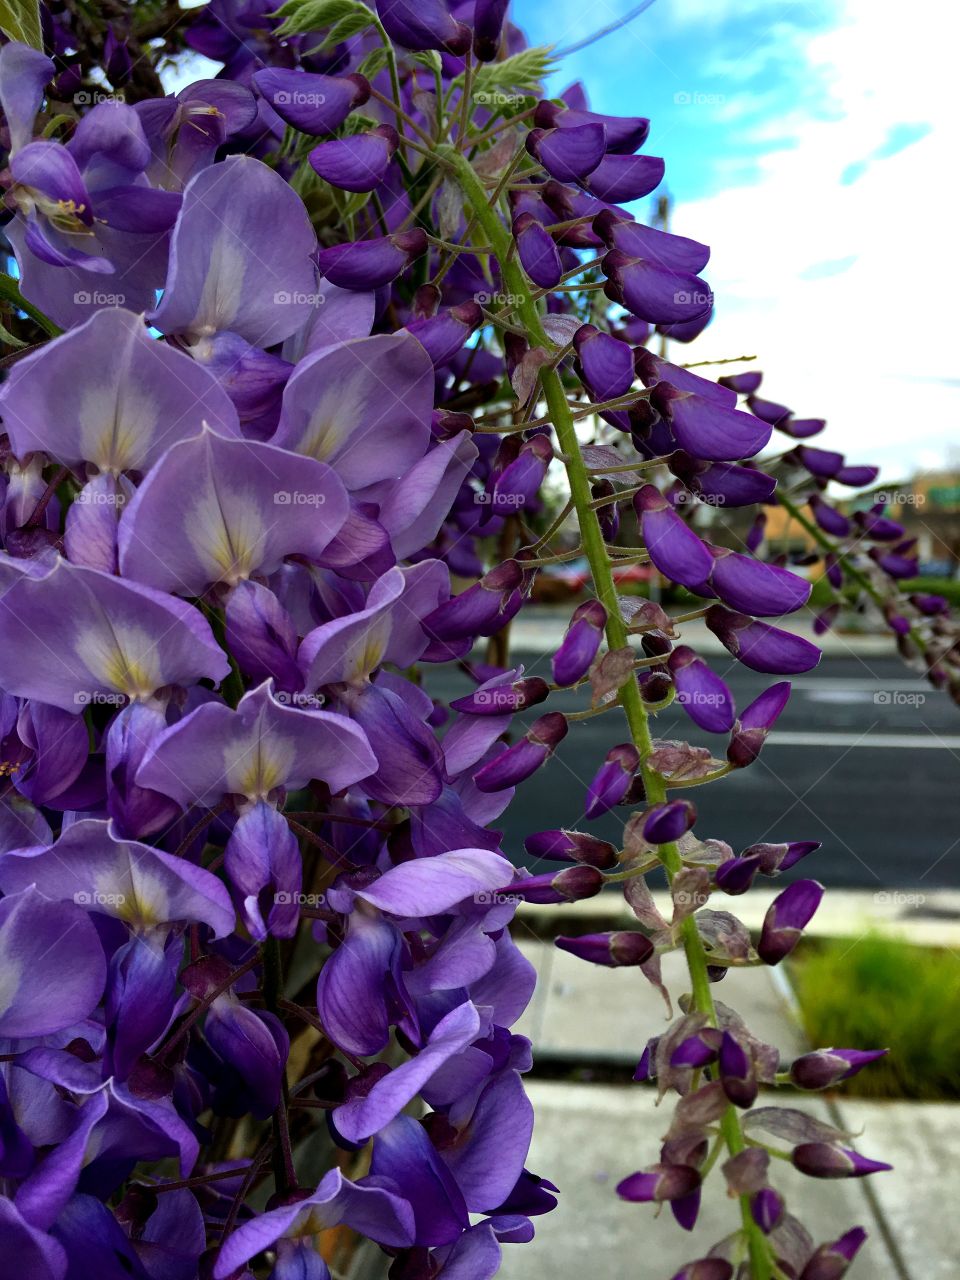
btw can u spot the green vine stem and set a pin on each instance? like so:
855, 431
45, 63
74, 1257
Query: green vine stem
515, 284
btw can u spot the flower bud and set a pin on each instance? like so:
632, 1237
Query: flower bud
673, 546
702, 694
568, 154
611, 949
831, 1261
767, 1209
572, 846
665, 823
568, 885
775, 858
760, 646
737, 1073
754, 723
612, 780
507, 698
697, 1050
537, 252
786, 918
647, 1066
824, 1160
827, 1067
524, 757
735, 876
659, 1182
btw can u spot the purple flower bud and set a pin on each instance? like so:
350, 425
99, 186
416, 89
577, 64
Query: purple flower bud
488, 16
524, 757
930, 605
659, 1182
443, 335
744, 384
755, 722
637, 241
735, 876
608, 515
503, 698
801, 428
760, 646
357, 163
482, 608
618, 179
607, 363
786, 918
654, 292
726, 484
706, 1269
611, 949
767, 1209
665, 823
568, 154
757, 531
878, 528
368, 264
572, 846
824, 1160
702, 694
568, 885
737, 1073
697, 1050
653, 371
314, 104
537, 252
750, 585
647, 1066
768, 410
895, 563
567, 203
520, 480
775, 858
826, 1067
857, 477
708, 429
831, 1261
423, 24
612, 780
673, 546
624, 134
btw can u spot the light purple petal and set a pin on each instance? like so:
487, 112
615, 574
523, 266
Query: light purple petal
428, 886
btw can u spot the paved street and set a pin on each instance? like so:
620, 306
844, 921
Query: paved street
866, 758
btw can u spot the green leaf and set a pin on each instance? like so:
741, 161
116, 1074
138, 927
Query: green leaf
374, 62
428, 58
10, 339
20, 20
315, 15
525, 70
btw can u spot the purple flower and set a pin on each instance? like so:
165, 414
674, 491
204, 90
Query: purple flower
358, 163
314, 104
568, 154
665, 823
612, 780
526, 756
787, 916
369, 264
660, 1182
572, 846
702, 694
759, 646
624, 134
580, 644
827, 1067
751, 586
673, 546
537, 252
610, 949
755, 722
568, 885
423, 24
824, 1160
831, 1261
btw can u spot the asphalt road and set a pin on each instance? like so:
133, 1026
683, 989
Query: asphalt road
865, 758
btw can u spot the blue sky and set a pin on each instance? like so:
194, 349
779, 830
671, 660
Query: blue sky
814, 146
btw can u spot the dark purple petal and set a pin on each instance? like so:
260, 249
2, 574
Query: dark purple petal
824, 1160
537, 252
827, 1067
708, 430
314, 104
423, 24
786, 918
760, 646
568, 154
617, 179
624, 134
665, 823
673, 546
357, 163
702, 694
610, 949
751, 586
612, 780
368, 264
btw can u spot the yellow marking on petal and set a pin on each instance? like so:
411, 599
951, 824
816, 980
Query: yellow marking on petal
122, 657
222, 290
369, 651
138, 898
229, 536
116, 426
258, 765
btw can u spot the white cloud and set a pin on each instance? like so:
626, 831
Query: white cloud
849, 294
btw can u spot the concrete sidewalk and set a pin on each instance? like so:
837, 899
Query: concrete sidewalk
589, 1136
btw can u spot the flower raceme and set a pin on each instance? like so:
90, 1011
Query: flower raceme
301, 380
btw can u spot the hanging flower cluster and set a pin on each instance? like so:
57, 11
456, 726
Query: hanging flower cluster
302, 343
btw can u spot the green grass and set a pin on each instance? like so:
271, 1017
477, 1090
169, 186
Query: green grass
877, 993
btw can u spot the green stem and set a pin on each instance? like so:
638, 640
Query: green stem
515, 282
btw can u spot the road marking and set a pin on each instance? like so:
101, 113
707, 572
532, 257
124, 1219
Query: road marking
938, 742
